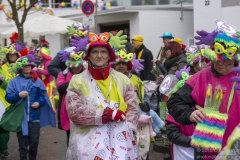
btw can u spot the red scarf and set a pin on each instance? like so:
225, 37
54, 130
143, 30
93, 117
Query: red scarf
99, 73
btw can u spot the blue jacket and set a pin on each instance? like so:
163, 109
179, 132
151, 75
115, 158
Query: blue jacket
35, 95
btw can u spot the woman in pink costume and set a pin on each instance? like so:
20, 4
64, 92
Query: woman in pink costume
224, 55
74, 66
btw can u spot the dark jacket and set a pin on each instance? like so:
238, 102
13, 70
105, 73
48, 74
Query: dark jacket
176, 137
179, 64
148, 65
56, 65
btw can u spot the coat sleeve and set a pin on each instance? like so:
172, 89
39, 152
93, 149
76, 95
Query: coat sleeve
132, 113
175, 136
180, 105
11, 96
78, 112
45, 70
62, 84
54, 67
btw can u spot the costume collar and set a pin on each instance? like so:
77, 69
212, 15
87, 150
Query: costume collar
99, 73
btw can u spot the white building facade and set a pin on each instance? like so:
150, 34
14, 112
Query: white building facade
150, 18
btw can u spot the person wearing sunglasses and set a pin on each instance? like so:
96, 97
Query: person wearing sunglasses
224, 55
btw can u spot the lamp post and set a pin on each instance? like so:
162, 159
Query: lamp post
180, 2
95, 19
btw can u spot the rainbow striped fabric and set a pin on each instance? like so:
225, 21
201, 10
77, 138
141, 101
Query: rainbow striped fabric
208, 135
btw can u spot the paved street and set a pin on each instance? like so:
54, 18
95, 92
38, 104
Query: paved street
52, 146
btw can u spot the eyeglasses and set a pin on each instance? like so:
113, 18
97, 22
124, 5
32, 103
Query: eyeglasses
219, 49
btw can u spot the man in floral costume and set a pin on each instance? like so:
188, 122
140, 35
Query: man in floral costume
102, 107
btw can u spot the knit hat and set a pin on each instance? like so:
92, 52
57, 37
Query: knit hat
138, 39
45, 52
122, 56
100, 41
30, 59
71, 58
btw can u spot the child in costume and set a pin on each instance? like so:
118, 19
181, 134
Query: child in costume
74, 63
28, 93
223, 52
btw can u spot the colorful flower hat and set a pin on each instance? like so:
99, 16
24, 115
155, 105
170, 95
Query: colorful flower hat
224, 42
194, 55
30, 59
77, 29
122, 56
71, 58
101, 41
45, 52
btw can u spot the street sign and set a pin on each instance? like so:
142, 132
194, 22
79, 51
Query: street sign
87, 7
88, 21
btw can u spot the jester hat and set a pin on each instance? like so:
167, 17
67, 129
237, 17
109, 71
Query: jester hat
30, 59
71, 58
100, 41
14, 48
122, 56
45, 52
194, 54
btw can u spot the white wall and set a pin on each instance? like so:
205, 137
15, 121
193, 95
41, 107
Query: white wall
154, 23
205, 15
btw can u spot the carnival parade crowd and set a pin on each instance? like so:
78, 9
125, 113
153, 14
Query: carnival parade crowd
114, 98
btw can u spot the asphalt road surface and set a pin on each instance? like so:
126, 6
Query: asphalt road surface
52, 146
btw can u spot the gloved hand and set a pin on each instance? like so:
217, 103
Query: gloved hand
118, 41
107, 115
236, 79
64, 56
79, 43
205, 37
19, 46
118, 116
12, 68
32, 57
71, 30
137, 66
